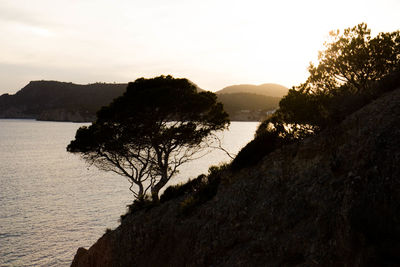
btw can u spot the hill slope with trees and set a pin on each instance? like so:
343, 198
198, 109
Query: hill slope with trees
62, 101
248, 106
319, 184
59, 101
266, 89
331, 200
248, 102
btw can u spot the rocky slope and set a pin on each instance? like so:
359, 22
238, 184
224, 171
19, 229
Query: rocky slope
332, 200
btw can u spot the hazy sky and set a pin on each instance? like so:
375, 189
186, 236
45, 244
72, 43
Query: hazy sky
213, 43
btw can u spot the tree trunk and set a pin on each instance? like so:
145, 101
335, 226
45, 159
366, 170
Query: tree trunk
140, 193
157, 187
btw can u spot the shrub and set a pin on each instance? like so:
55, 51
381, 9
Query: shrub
260, 146
302, 113
209, 189
188, 205
175, 191
206, 190
139, 204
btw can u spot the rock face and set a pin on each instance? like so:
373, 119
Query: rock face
332, 200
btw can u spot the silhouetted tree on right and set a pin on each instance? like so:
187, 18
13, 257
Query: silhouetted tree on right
354, 59
347, 71
353, 69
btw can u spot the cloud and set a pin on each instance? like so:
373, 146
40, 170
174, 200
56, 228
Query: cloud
12, 14
24, 73
211, 42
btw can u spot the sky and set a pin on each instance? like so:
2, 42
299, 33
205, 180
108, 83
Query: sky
214, 43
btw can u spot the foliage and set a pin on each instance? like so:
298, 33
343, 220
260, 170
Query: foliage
235, 102
354, 59
150, 131
353, 70
45, 97
344, 79
205, 190
175, 191
318, 111
261, 145
139, 204
210, 188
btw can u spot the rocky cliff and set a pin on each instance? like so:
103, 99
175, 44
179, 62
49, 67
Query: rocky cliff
331, 200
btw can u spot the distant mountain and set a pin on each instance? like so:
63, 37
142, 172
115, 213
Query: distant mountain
59, 101
247, 102
62, 101
267, 89
247, 106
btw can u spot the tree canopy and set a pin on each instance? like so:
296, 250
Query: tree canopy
346, 75
353, 58
352, 70
156, 126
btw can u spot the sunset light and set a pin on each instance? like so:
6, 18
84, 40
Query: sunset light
199, 133
213, 43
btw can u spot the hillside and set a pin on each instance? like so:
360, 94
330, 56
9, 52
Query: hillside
59, 101
248, 106
267, 89
330, 200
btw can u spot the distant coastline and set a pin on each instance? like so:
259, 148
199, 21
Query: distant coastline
68, 102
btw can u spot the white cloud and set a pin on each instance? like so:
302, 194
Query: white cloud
214, 43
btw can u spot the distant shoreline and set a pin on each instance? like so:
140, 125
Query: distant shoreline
34, 119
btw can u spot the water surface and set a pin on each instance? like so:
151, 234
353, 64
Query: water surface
51, 203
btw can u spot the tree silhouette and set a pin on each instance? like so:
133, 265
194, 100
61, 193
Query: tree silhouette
149, 132
345, 77
355, 59
353, 70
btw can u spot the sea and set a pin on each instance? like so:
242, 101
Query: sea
52, 202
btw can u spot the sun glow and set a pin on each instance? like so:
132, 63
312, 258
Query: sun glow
213, 43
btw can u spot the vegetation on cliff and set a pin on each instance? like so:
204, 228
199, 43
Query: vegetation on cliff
353, 70
329, 200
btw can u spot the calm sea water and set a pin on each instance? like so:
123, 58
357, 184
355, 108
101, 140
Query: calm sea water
51, 203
